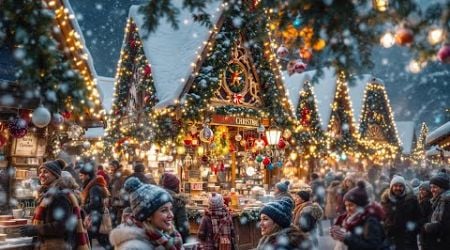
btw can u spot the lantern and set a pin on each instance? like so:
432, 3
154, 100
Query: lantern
380, 5
273, 135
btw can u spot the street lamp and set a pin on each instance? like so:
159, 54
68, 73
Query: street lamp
273, 135
380, 5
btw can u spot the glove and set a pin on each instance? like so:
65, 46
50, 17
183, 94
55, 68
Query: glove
28, 231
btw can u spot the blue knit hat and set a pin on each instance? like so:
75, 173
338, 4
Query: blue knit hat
280, 211
145, 199
283, 186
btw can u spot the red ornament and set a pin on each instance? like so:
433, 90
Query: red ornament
266, 161
281, 144
187, 140
18, 127
444, 54
299, 66
306, 54
25, 114
237, 98
147, 98
132, 43
305, 116
147, 70
66, 114
404, 36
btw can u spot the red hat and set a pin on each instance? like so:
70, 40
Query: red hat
358, 194
171, 182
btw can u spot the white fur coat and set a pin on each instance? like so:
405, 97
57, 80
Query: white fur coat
129, 238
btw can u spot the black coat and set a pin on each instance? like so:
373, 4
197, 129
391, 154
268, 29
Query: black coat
93, 204
402, 221
426, 210
179, 212
438, 229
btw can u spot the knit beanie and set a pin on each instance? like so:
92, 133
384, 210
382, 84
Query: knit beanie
415, 183
280, 211
398, 179
115, 164
216, 201
441, 180
425, 185
88, 169
170, 181
54, 167
358, 195
305, 195
145, 199
139, 168
283, 186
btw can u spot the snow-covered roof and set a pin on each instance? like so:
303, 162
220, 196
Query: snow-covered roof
438, 133
406, 135
434, 150
171, 52
106, 89
94, 133
293, 85
356, 93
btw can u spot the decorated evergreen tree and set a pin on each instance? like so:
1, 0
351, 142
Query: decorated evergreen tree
377, 128
418, 153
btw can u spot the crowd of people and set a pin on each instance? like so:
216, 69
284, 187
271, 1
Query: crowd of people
125, 210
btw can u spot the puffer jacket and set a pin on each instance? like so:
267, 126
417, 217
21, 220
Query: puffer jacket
126, 237
438, 230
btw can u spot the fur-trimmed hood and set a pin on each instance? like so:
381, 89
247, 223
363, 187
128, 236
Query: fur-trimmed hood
314, 209
129, 238
387, 196
287, 238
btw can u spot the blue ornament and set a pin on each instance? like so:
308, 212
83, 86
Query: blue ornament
297, 22
279, 164
270, 166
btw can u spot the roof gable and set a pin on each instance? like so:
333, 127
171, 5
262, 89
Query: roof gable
293, 85
406, 134
356, 92
173, 53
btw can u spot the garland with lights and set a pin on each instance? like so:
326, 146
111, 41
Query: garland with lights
418, 153
377, 114
28, 26
309, 131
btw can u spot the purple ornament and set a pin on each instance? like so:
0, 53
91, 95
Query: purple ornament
57, 119
17, 127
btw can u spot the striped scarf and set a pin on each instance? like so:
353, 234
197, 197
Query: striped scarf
222, 222
170, 241
99, 180
81, 237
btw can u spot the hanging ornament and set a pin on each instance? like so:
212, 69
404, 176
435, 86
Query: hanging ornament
281, 144
57, 119
299, 66
243, 143
75, 131
206, 134
282, 52
147, 70
444, 54
287, 134
18, 127
25, 114
305, 54
238, 137
259, 158
41, 117
404, 36
132, 43
266, 161
67, 114
260, 129
270, 166
259, 144
297, 22
279, 164
193, 130
305, 116
86, 144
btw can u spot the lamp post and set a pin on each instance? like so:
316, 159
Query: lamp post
273, 135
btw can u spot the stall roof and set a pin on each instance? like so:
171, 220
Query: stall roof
293, 85
434, 150
171, 52
106, 89
406, 134
438, 133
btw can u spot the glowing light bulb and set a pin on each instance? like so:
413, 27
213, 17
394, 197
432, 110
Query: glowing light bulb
435, 36
414, 67
387, 40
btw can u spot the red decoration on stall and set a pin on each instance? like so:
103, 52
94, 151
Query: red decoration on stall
238, 98
147, 70
25, 114
18, 127
187, 140
66, 114
266, 161
305, 116
281, 144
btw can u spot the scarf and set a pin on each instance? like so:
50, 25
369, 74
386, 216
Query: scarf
221, 220
170, 241
298, 209
359, 217
81, 236
98, 180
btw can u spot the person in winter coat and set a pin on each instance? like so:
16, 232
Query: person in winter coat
403, 218
307, 215
360, 227
139, 172
117, 180
172, 185
347, 184
438, 228
70, 168
151, 224
276, 228
216, 229
93, 197
282, 191
424, 197
56, 205
331, 202
101, 171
